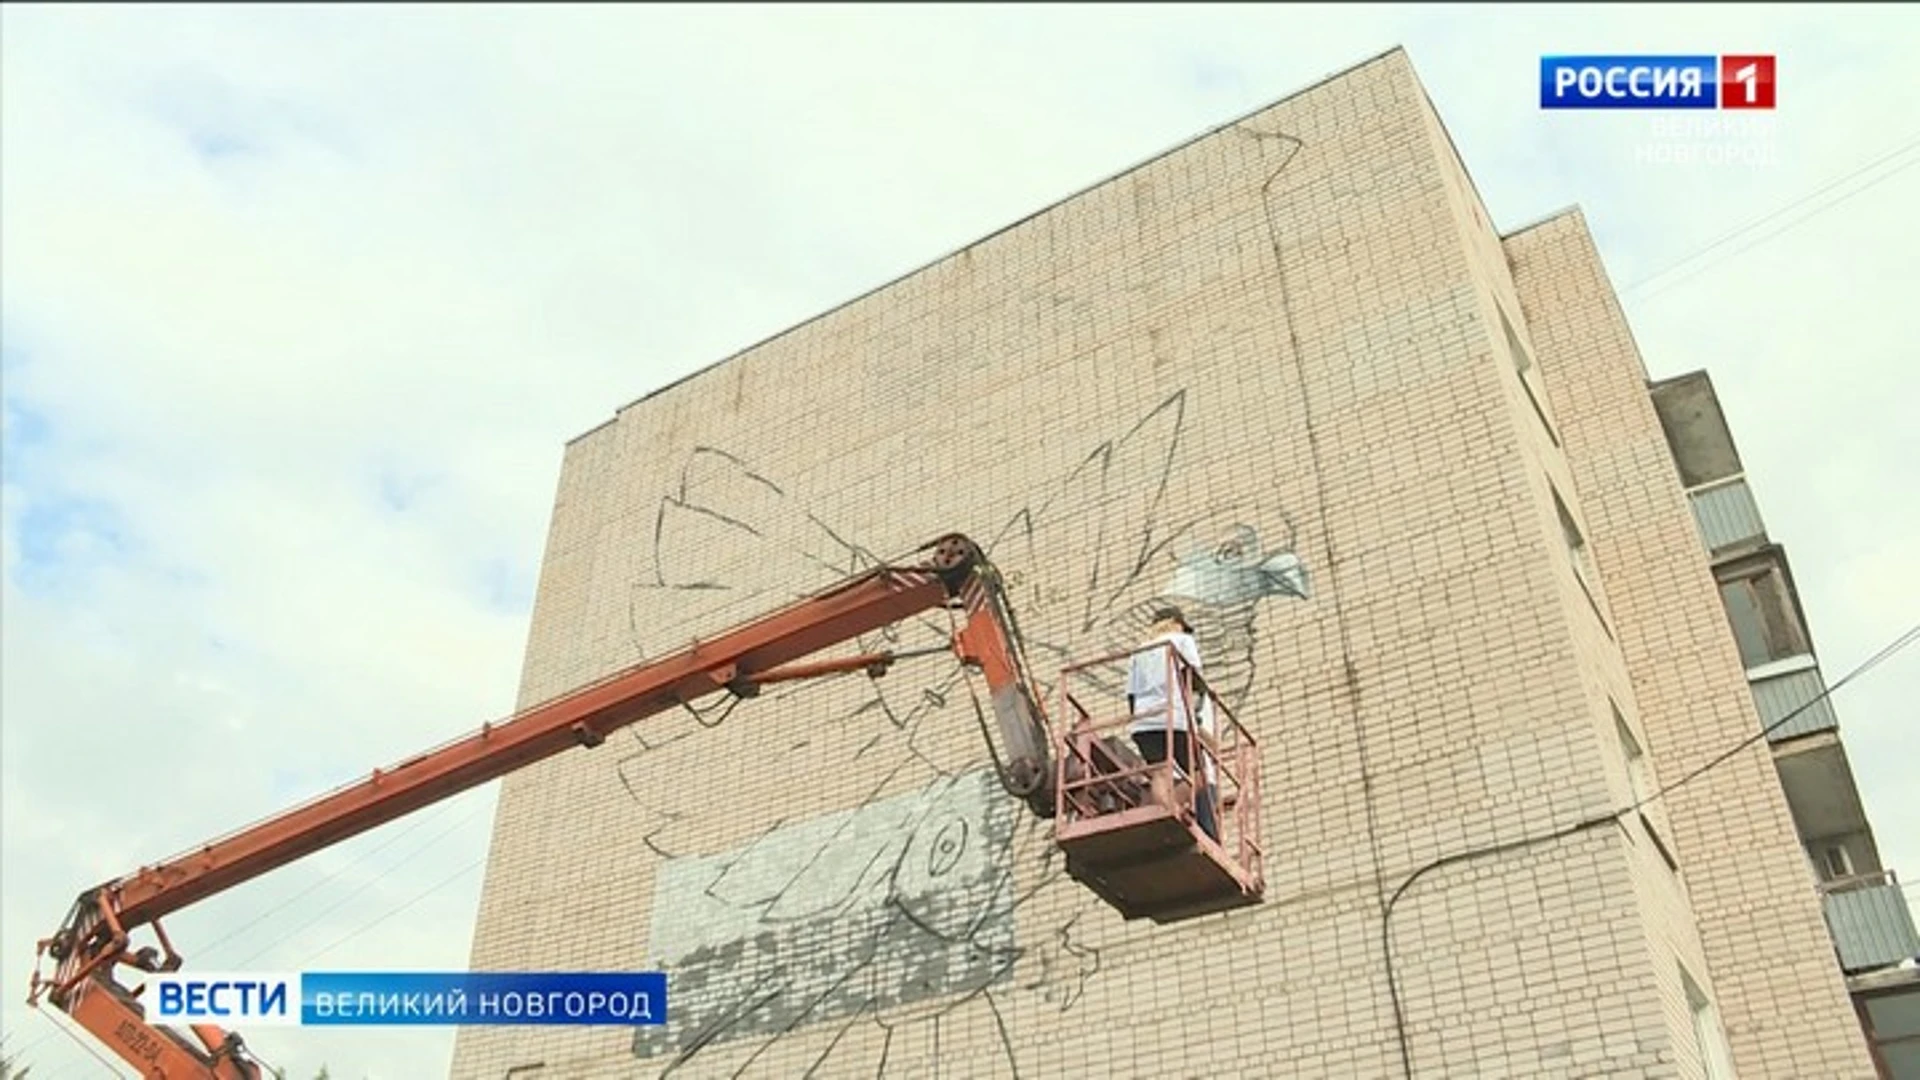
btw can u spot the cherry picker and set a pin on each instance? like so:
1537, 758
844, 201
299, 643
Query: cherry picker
1127, 827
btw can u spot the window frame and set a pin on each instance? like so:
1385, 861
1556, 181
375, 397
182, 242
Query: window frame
1524, 367
1768, 611
1709, 1034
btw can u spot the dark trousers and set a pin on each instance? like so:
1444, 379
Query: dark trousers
1153, 747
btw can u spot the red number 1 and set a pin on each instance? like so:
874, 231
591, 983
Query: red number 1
1746, 82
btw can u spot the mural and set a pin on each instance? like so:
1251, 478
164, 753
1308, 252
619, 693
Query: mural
900, 912
854, 916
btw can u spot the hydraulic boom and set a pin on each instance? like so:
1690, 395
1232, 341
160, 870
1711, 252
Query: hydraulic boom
95, 941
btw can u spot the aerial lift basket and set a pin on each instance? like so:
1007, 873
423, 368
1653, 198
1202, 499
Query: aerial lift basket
1129, 828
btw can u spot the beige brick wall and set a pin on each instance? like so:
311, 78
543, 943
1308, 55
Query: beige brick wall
1671, 937
1283, 331
1766, 946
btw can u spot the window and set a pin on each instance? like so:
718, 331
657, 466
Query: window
1578, 554
1834, 862
1636, 758
1715, 1058
1523, 367
1641, 788
1893, 1022
1576, 543
1762, 617
1522, 362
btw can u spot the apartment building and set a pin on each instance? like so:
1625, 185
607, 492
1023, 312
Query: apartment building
1294, 339
1872, 924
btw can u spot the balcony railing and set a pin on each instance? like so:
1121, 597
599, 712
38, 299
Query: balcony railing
1777, 696
1726, 514
1871, 924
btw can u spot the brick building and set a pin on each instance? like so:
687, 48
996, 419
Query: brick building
1296, 334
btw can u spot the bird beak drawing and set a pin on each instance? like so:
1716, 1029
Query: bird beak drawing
1287, 575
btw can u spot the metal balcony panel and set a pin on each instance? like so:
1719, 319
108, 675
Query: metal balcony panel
1778, 696
1871, 925
1727, 515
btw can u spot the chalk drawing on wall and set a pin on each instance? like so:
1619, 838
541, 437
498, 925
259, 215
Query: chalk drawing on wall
1211, 564
897, 911
1219, 577
744, 934
723, 522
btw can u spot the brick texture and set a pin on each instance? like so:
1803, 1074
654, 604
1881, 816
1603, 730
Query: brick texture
1283, 336
1780, 991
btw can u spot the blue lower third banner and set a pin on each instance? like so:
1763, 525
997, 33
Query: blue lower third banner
483, 997
372, 998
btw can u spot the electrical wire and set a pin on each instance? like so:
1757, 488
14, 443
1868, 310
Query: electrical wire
361, 888
112, 1068
1868, 665
17, 1054
890, 566
457, 875
1763, 238
1774, 214
422, 895
1764, 218
328, 879
1386, 918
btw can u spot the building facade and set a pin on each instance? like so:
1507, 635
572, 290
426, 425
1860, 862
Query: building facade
1874, 938
1298, 335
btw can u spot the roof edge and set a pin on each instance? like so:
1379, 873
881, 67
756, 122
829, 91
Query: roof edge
969, 246
1569, 210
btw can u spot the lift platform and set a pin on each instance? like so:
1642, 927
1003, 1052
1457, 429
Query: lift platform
1129, 827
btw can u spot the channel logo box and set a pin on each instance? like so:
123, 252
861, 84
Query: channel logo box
238, 999
1657, 82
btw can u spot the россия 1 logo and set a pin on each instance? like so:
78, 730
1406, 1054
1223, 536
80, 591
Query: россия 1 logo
1656, 82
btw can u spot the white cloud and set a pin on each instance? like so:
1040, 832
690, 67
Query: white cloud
300, 304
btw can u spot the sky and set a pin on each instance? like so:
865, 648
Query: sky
298, 306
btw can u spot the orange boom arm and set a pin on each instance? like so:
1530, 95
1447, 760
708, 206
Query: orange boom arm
94, 941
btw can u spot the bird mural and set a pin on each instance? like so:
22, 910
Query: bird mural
1218, 585
900, 911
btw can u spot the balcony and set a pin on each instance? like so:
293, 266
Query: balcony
1727, 515
1818, 782
1781, 689
1889, 1005
1871, 924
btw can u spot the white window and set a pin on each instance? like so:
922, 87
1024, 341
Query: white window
1640, 785
1835, 863
1523, 367
1576, 543
1715, 1056
1636, 758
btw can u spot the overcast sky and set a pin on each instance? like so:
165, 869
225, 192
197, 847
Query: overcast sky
300, 304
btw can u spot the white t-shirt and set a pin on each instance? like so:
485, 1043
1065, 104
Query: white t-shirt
1147, 684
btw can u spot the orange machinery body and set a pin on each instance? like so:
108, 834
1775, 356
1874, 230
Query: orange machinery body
95, 940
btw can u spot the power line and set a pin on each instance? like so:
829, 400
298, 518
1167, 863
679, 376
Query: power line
359, 860
361, 888
324, 881
1386, 917
1742, 230
1764, 218
42, 1039
429, 891
416, 899
1869, 664
113, 1070
1789, 226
